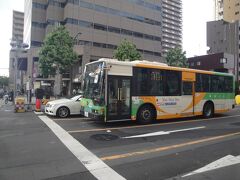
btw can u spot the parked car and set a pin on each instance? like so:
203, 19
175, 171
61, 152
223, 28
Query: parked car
64, 107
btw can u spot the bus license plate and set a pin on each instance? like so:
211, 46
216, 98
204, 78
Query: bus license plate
86, 114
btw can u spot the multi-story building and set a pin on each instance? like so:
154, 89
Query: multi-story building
223, 37
171, 24
16, 57
100, 26
227, 10
219, 62
17, 26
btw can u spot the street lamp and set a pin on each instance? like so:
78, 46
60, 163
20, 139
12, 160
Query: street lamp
17, 46
74, 40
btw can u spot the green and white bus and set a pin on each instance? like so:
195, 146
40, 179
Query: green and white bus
145, 91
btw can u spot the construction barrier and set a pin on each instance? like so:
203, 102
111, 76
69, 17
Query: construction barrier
38, 105
45, 101
19, 104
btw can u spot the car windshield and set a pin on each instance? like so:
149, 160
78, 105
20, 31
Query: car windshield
94, 81
76, 97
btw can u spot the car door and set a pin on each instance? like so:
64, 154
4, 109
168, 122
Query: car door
75, 106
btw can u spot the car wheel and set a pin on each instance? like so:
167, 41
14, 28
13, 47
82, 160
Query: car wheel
63, 112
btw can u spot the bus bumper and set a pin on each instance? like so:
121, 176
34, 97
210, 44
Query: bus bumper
94, 116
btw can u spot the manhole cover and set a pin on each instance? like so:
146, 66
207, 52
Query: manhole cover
104, 137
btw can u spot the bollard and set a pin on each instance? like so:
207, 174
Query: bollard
38, 105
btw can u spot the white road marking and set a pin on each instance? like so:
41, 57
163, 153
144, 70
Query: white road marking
223, 162
95, 165
71, 119
159, 133
38, 113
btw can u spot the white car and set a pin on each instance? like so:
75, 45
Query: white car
64, 107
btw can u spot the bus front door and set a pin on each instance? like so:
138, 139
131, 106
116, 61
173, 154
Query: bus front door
118, 107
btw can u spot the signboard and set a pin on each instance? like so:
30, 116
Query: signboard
36, 85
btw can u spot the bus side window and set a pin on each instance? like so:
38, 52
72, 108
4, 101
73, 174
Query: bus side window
173, 83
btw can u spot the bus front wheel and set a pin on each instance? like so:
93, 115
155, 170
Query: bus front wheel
208, 110
146, 114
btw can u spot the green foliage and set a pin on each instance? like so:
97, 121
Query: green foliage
175, 57
57, 49
126, 51
3, 81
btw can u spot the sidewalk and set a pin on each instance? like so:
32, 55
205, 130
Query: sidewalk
28, 106
29, 150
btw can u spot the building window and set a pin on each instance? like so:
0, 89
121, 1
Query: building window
116, 12
198, 63
223, 60
113, 29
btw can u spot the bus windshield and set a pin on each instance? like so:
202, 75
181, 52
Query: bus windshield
93, 86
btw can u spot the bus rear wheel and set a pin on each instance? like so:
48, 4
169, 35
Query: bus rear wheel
208, 110
146, 114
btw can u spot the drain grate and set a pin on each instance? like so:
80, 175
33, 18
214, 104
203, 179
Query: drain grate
104, 137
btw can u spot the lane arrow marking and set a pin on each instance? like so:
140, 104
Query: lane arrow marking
223, 162
159, 133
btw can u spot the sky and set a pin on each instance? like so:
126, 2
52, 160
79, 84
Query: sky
195, 15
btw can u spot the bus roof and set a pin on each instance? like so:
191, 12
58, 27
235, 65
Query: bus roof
156, 65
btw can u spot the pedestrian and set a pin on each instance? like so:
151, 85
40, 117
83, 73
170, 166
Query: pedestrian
74, 91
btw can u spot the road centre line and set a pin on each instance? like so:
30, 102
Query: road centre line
95, 165
165, 148
148, 125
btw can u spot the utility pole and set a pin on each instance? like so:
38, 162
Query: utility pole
18, 47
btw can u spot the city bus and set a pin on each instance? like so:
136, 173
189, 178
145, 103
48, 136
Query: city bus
145, 91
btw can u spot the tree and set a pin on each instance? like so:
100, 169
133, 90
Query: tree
126, 51
176, 57
4, 81
57, 50
57, 55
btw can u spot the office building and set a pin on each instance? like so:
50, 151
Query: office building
16, 57
223, 37
99, 27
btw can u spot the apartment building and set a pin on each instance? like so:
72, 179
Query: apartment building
16, 58
171, 24
227, 10
99, 26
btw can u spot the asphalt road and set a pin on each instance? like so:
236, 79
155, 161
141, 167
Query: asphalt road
168, 149
177, 148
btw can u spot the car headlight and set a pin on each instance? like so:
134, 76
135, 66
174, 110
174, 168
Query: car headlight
50, 105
